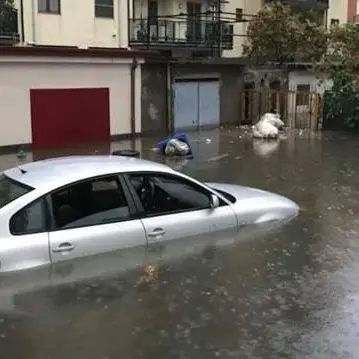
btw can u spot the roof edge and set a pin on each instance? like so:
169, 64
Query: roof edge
73, 51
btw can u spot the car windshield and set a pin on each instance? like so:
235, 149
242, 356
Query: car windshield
11, 190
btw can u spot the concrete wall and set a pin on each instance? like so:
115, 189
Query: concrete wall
76, 25
296, 78
20, 74
302, 115
154, 99
154, 92
264, 77
231, 80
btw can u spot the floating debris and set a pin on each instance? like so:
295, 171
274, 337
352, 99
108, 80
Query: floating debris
21, 154
217, 158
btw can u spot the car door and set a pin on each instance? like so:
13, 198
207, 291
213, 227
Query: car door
179, 209
93, 222
24, 258
28, 244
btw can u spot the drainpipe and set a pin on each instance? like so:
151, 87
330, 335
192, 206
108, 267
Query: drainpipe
33, 13
133, 102
219, 29
169, 124
129, 23
22, 21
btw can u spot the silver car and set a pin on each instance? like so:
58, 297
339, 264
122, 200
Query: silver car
68, 208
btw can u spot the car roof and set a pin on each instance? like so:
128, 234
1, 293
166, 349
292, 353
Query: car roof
57, 172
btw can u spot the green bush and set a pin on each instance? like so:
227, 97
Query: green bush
341, 103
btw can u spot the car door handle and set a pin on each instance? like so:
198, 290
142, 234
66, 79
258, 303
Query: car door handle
157, 232
64, 247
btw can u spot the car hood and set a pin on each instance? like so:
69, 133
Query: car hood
253, 199
241, 192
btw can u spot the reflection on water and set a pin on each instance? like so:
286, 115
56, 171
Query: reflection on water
294, 294
265, 147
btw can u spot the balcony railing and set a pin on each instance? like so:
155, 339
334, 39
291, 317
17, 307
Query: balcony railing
196, 33
9, 28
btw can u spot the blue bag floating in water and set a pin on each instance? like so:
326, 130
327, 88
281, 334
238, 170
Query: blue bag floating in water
178, 136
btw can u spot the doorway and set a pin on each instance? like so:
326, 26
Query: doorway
65, 117
196, 104
194, 30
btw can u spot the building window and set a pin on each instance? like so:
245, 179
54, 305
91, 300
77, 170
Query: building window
153, 12
334, 22
49, 6
104, 8
239, 15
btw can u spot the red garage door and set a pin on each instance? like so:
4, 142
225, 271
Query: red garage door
65, 117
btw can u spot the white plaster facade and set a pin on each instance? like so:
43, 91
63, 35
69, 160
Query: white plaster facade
338, 10
75, 24
250, 8
19, 74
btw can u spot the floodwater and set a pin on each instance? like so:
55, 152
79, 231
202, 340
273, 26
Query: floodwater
293, 294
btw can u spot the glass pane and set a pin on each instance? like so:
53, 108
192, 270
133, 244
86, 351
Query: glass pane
90, 203
104, 11
104, 2
54, 6
42, 5
166, 194
11, 190
31, 219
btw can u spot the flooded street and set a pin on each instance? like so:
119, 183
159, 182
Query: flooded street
293, 294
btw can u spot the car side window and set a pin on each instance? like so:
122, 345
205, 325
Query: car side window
166, 194
31, 219
93, 202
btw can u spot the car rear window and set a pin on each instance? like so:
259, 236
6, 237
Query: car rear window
11, 190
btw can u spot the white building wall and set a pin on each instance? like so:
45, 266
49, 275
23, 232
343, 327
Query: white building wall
76, 25
20, 74
317, 85
338, 10
250, 8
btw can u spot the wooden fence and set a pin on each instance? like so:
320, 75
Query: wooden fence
297, 109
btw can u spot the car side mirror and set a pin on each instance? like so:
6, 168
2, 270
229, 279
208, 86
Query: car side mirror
214, 201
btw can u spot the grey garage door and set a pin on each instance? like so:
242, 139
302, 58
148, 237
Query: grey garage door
196, 104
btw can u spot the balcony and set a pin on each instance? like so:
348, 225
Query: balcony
9, 28
305, 4
161, 33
